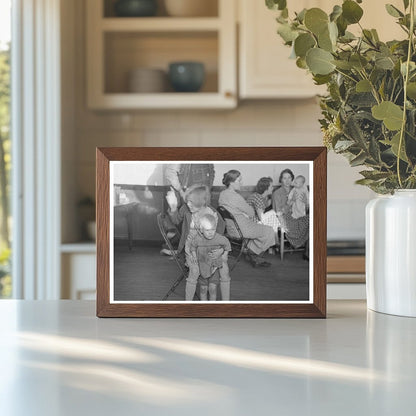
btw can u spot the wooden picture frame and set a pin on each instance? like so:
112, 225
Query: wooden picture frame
314, 158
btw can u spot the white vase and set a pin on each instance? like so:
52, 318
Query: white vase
391, 253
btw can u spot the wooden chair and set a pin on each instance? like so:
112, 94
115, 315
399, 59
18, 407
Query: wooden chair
284, 240
240, 242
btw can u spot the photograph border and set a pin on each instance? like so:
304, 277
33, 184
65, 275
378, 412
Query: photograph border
316, 155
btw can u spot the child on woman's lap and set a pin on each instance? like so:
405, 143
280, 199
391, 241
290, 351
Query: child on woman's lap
298, 197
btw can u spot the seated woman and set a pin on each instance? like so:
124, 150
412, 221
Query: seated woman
189, 214
297, 229
260, 201
261, 236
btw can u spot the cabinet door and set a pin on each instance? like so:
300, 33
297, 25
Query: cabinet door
266, 71
78, 276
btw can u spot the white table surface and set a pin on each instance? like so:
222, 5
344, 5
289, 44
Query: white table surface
57, 358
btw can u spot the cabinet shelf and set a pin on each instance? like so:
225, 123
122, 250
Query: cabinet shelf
117, 46
196, 100
160, 24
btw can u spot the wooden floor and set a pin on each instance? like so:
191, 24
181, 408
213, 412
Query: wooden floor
144, 274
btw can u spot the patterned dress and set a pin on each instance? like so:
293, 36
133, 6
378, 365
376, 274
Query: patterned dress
259, 203
261, 236
297, 229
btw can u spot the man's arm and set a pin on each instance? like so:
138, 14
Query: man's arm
172, 175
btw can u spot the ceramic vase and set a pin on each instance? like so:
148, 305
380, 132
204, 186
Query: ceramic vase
135, 8
391, 253
186, 76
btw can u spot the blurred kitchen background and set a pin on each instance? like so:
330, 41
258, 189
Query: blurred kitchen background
119, 89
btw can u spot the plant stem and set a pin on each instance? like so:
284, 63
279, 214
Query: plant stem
405, 81
346, 75
373, 88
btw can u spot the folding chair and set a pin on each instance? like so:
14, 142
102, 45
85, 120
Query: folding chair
179, 262
240, 241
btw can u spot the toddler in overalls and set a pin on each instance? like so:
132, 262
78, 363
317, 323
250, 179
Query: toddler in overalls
209, 250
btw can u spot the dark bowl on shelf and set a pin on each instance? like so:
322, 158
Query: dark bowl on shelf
186, 76
135, 8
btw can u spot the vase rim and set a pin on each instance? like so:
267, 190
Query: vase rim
404, 191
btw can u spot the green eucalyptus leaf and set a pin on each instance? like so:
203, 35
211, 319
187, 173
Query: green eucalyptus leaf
336, 12
321, 79
333, 32
281, 19
374, 174
271, 4
319, 61
365, 182
382, 89
347, 37
343, 145
344, 65
411, 124
351, 11
405, 21
303, 43
393, 11
411, 90
377, 75
325, 42
316, 20
301, 15
374, 150
384, 62
394, 145
412, 67
358, 160
276, 4
368, 36
406, 4
363, 86
391, 114
358, 61
396, 70
285, 13
342, 25
375, 35
353, 131
287, 33
282, 4
301, 63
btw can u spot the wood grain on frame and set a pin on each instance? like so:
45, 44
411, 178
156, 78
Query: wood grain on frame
317, 309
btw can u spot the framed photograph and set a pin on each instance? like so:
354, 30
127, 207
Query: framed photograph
211, 232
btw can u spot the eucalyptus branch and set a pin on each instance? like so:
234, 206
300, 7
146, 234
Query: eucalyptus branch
397, 95
346, 75
406, 79
392, 90
373, 88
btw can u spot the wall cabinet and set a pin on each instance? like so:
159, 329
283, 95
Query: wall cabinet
118, 45
265, 70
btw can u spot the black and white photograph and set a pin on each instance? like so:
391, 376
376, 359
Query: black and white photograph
222, 231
